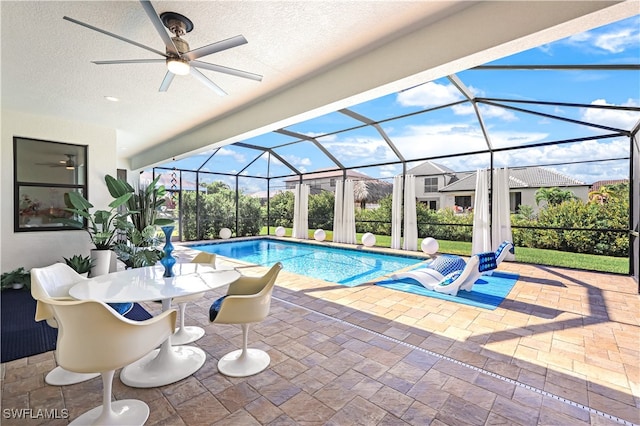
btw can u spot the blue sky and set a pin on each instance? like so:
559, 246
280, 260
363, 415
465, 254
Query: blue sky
455, 130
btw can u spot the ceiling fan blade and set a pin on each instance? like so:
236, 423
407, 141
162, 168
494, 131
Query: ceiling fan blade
218, 46
135, 43
157, 22
168, 78
210, 84
130, 61
226, 70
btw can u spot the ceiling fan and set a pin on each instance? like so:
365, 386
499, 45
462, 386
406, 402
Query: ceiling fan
69, 163
178, 56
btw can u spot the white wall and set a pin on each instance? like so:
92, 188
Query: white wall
35, 249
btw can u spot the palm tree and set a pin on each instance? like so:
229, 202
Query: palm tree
554, 196
361, 193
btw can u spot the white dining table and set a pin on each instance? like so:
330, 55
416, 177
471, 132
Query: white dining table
168, 364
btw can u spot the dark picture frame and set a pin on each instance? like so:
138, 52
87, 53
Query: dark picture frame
43, 171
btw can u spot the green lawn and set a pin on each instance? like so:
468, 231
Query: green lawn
590, 262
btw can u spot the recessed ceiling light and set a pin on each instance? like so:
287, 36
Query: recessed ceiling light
111, 98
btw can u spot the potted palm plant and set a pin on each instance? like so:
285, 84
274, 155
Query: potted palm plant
16, 279
101, 226
142, 207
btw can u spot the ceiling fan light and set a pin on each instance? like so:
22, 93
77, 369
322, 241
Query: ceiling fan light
178, 66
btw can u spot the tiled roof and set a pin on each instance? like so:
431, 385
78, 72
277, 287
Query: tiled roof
525, 177
320, 174
599, 184
429, 168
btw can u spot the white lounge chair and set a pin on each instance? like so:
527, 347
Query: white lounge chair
488, 263
449, 274
434, 272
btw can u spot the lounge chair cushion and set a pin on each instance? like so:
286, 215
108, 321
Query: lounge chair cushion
503, 246
487, 261
215, 308
450, 278
447, 264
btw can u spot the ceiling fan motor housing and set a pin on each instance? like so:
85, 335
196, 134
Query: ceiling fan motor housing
181, 45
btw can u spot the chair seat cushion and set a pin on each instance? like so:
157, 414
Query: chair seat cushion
121, 308
447, 264
215, 308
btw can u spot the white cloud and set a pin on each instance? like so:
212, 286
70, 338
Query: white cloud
609, 117
240, 158
575, 152
390, 170
359, 150
615, 38
619, 41
429, 95
487, 111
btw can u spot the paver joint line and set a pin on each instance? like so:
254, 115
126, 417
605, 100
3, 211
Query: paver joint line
472, 367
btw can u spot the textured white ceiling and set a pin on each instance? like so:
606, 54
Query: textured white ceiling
306, 47
46, 66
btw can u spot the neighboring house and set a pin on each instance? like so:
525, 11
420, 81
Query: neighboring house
458, 189
368, 191
595, 186
430, 179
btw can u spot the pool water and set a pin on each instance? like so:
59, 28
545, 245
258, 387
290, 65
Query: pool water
343, 266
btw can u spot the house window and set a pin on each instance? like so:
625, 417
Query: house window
430, 184
463, 201
515, 200
43, 172
332, 183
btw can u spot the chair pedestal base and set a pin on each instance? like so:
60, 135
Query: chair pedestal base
62, 377
235, 364
186, 335
163, 366
127, 412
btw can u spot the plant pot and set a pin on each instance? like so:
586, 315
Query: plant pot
101, 262
17, 286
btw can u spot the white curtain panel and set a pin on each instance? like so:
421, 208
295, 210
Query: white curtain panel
296, 211
301, 212
349, 214
501, 218
410, 241
396, 213
337, 213
481, 235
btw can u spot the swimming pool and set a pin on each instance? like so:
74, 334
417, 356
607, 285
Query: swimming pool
343, 266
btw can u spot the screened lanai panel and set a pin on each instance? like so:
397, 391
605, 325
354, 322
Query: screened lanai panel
230, 159
446, 131
391, 106
582, 86
587, 161
304, 156
269, 140
383, 173
324, 124
509, 129
359, 147
192, 162
264, 166
600, 114
462, 163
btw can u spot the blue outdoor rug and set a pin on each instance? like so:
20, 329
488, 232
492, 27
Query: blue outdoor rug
488, 291
21, 336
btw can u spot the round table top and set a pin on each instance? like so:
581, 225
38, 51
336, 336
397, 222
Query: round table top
148, 283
